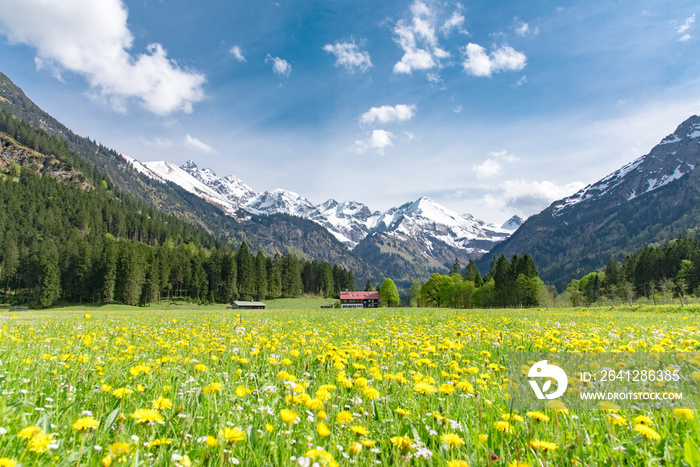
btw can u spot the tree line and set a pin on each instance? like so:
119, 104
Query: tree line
507, 284
652, 272
59, 242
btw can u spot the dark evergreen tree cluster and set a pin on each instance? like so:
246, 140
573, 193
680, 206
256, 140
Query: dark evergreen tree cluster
60, 242
507, 284
654, 270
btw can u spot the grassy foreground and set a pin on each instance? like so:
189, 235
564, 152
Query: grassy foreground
188, 385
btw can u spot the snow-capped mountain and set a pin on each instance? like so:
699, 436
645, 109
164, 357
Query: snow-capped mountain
426, 218
423, 221
230, 187
671, 159
513, 224
348, 221
651, 199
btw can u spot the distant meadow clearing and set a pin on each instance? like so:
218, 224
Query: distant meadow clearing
187, 385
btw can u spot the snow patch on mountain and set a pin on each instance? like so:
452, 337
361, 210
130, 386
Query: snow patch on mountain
668, 161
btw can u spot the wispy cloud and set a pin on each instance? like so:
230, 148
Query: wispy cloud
683, 28
349, 56
478, 63
279, 65
237, 53
527, 197
93, 40
454, 22
387, 113
198, 145
522, 29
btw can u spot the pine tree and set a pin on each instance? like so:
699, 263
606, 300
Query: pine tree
456, 268
50, 276
108, 267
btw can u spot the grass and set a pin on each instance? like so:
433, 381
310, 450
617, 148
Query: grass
179, 384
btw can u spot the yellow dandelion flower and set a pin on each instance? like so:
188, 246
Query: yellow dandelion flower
161, 404
483, 438
240, 391
503, 426
643, 420
159, 442
452, 440
40, 443
424, 388
147, 416
458, 463
211, 441
617, 420
403, 443
608, 406
212, 388
201, 367
647, 432
121, 392
232, 434
370, 393
684, 413
85, 424
401, 411
355, 448
557, 405
343, 417
359, 430
323, 430
288, 416
538, 416
29, 432
542, 445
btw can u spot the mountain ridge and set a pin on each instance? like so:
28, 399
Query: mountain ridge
651, 199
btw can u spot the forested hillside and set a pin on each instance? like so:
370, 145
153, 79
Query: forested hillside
278, 233
82, 239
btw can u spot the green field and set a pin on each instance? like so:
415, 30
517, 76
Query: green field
181, 384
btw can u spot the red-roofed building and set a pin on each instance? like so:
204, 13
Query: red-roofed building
359, 299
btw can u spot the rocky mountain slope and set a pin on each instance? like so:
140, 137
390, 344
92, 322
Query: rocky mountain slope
651, 199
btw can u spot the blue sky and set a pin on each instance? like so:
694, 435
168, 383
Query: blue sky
490, 108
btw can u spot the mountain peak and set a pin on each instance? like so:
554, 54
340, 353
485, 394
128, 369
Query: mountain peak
513, 223
190, 164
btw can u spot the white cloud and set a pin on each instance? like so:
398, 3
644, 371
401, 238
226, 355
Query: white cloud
487, 169
523, 29
504, 155
349, 56
418, 40
378, 141
237, 53
530, 196
279, 65
387, 113
520, 82
456, 21
93, 40
198, 145
686, 25
158, 142
479, 63
683, 28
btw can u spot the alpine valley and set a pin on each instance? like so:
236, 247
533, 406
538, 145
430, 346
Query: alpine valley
406, 242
